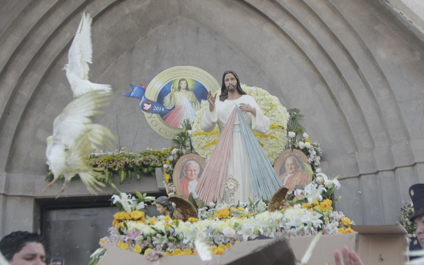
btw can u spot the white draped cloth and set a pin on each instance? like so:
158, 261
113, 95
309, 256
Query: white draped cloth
237, 161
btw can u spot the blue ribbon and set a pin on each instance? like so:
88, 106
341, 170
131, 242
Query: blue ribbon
146, 105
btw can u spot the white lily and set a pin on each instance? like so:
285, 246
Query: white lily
328, 182
126, 200
312, 191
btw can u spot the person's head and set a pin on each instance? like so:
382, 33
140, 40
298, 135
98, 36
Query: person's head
23, 248
230, 82
163, 204
191, 170
182, 84
416, 192
291, 165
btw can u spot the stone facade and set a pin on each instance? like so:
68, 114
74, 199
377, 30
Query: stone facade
353, 70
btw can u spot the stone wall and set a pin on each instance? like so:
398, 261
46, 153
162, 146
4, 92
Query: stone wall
353, 70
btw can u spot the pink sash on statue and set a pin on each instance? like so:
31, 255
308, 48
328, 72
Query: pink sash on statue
211, 183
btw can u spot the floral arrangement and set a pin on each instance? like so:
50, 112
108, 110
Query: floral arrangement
124, 164
223, 225
406, 211
299, 139
273, 142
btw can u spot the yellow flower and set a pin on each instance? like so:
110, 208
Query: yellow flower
349, 231
240, 208
195, 252
167, 219
229, 245
307, 140
328, 201
170, 148
127, 216
147, 251
306, 206
153, 220
315, 202
167, 254
120, 215
121, 224
176, 252
341, 231
218, 251
166, 175
223, 213
346, 221
192, 220
323, 206
123, 245
137, 249
137, 215
187, 252
115, 222
103, 240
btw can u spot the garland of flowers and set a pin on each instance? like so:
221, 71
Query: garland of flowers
124, 164
406, 212
273, 142
299, 139
222, 224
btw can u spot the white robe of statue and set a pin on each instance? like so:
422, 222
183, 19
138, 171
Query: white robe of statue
237, 161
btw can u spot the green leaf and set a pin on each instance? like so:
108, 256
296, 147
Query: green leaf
138, 194
318, 211
191, 199
308, 168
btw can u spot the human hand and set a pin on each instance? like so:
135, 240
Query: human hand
349, 257
211, 100
247, 108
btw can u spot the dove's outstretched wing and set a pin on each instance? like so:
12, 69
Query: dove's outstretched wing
79, 56
81, 50
73, 138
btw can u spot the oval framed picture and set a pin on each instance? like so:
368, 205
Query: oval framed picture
187, 172
291, 170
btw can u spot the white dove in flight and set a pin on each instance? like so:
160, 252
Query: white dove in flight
74, 136
79, 56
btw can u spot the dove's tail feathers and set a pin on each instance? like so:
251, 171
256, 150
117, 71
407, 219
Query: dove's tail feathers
100, 135
90, 181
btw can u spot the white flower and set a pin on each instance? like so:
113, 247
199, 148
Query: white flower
318, 170
292, 134
211, 204
301, 145
201, 235
140, 206
189, 132
308, 145
328, 182
228, 231
312, 191
127, 201
305, 135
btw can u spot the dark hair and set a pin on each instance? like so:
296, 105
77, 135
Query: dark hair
224, 92
16, 241
164, 201
179, 84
